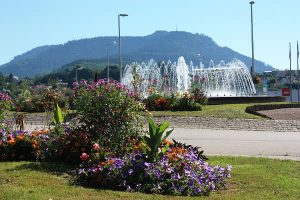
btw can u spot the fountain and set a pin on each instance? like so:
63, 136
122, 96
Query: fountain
222, 80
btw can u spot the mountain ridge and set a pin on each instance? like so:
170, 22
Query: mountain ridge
160, 46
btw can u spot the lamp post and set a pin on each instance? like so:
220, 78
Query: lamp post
298, 74
252, 42
120, 57
113, 43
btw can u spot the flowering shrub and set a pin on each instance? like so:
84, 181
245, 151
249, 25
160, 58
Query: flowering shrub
158, 102
40, 98
20, 145
179, 172
186, 102
192, 101
108, 112
5, 103
65, 144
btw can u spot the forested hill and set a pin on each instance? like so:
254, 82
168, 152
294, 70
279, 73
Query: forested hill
161, 46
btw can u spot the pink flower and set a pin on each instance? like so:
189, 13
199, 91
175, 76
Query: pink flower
96, 146
84, 156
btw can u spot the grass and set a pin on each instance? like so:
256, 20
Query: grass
253, 178
228, 111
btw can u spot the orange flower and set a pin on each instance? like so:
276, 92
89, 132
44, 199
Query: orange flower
45, 131
167, 142
11, 142
20, 137
111, 161
137, 147
34, 142
34, 146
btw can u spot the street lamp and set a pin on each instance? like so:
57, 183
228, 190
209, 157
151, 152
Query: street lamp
113, 43
120, 57
252, 67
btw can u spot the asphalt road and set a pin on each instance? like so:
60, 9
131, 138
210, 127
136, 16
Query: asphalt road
281, 145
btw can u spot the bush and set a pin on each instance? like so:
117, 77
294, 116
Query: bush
65, 144
20, 145
158, 102
189, 101
5, 104
108, 112
186, 102
40, 98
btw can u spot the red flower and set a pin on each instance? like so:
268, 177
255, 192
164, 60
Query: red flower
84, 156
96, 146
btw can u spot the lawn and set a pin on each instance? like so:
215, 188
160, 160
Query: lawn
229, 111
252, 178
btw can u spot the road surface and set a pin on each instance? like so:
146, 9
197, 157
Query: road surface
281, 145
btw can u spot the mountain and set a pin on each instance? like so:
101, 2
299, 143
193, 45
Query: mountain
161, 46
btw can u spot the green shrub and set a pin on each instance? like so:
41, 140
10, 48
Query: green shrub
40, 99
108, 112
20, 145
158, 102
65, 144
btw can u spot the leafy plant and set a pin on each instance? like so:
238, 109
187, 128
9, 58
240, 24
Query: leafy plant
108, 112
155, 139
198, 152
58, 115
21, 145
40, 98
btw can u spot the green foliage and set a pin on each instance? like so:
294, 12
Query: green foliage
186, 102
155, 139
57, 115
189, 101
5, 104
108, 112
18, 145
65, 144
158, 102
40, 98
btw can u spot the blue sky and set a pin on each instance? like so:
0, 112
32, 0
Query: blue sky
25, 24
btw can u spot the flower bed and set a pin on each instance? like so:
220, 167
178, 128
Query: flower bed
41, 98
114, 150
20, 145
179, 172
154, 165
192, 101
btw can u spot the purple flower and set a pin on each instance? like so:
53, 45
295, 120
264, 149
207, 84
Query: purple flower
130, 172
